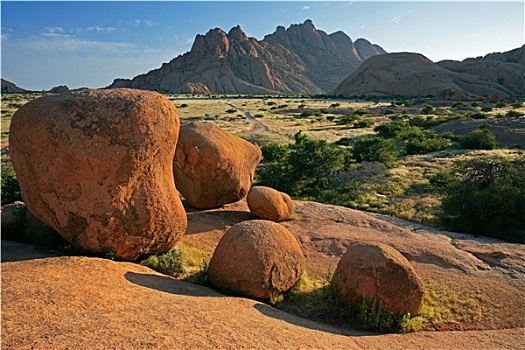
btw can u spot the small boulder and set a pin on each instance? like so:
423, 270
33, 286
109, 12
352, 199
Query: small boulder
377, 272
13, 219
269, 204
257, 259
213, 167
96, 166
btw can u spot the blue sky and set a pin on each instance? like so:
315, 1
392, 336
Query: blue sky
88, 44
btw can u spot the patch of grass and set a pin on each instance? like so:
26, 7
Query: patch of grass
443, 306
183, 262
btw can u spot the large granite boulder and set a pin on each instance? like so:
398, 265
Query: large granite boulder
96, 166
269, 204
213, 167
256, 258
375, 272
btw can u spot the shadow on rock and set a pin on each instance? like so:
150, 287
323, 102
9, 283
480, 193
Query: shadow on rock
302, 322
204, 221
15, 251
170, 285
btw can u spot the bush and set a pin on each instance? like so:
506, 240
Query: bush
375, 149
426, 143
481, 138
364, 124
486, 109
514, 114
305, 169
487, 198
10, 186
427, 109
274, 152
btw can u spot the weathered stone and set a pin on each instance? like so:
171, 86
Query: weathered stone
256, 258
13, 218
411, 74
96, 166
269, 204
377, 272
213, 167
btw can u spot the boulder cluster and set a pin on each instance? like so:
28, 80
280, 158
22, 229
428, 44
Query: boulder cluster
102, 168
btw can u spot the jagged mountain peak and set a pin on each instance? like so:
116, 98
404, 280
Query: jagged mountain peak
300, 58
238, 34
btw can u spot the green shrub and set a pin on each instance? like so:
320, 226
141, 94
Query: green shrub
274, 152
427, 109
514, 114
487, 198
481, 138
361, 111
486, 109
305, 169
347, 119
426, 142
375, 149
372, 316
10, 186
366, 123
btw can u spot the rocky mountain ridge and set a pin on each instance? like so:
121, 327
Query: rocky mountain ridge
300, 59
412, 74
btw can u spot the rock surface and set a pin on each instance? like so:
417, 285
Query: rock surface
44, 306
412, 74
13, 219
378, 273
256, 258
269, 204
298, 59
213, 167
96, 166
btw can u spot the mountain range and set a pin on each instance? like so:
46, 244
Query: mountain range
412, 74
300, 59
303, 59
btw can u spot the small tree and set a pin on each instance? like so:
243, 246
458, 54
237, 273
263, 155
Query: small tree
481, 138
375, 149
487, 198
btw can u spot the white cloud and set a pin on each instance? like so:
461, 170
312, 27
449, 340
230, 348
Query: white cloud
396, 19
4, 37
101, 29
147, 22
66, 43
306, 8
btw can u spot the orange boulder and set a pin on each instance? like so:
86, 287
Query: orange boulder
256, 258
269, 204
96, 166
213, 167
377, 272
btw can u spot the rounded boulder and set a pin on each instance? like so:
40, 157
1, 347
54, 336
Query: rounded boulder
256, 258
213, 167
377, 272
96, 166
269, 204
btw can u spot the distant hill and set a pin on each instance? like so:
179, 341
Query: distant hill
9, 87
300, 59
412, 74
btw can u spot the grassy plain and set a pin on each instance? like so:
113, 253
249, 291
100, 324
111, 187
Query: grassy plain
331, 120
